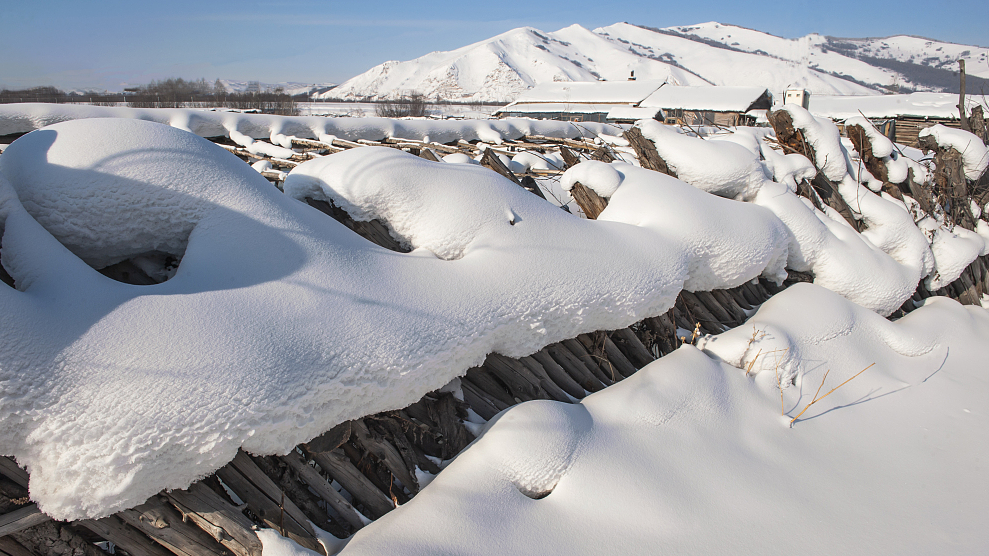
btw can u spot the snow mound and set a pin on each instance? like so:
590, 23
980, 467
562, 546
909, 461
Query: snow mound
669, 459
280, 322
975, 155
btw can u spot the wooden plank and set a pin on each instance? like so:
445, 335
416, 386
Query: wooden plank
223, 521
13, 472
557, 374
576, 367
588, 200
645, 150
10, 547
482, 404
275, 513
323, 488
131, 540
485, 381
387, 453
20, 519
545, 381
250, 470
633, 346
164, 524
339, 467
595, 365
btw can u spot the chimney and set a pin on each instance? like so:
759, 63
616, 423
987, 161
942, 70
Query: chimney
631, 76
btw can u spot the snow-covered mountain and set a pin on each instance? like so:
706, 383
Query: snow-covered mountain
502, 67
904, 61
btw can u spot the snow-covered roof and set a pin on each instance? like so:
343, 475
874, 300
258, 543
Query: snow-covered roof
930, 105
632, 113
562, 107
599, 92
717, 99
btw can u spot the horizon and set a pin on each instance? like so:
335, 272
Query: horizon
276, 41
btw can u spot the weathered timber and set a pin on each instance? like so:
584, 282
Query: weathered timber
374, 230
55, 538
645, 150
545, 382
483, 404
163, 523
21, 518
331, 439
490, 160
392, 425
572, 143
950, 186
697, 312
428, 154
386, 453
633, 348
10, 547
222, 520
588, 200
339, 467
13, 472
832, 197
315, 481
487, 382
603, 154
610, 354
570, 158
267, 501
574, 366
558, 375
520, 381
591, 363
714, 307
128, 538
863, 145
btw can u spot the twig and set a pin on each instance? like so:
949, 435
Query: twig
816, 399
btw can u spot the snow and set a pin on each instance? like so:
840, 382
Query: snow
975, 155
924, 105
691, 456
718, 99
232, 334
21, 118
601, 92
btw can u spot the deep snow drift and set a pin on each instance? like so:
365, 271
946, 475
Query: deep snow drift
280, 322
692, 456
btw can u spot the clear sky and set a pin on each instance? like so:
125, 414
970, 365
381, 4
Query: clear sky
106, 45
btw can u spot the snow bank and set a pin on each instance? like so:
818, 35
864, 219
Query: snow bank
21, 118
975, 155
691, 456
280, 322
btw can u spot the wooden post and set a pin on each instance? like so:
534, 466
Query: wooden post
646, 151
588, 200
961, 97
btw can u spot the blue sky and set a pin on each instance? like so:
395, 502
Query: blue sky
79, 44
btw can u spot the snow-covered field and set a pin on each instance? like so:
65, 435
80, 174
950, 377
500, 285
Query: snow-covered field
279, 323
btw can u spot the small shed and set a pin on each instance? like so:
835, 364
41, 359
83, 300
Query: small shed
728, 106
899, 117
590, 101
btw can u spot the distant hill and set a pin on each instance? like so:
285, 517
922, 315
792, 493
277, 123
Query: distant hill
502, 67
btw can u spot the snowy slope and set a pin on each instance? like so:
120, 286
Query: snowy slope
839, 56
500, 68
290, 87
721, 66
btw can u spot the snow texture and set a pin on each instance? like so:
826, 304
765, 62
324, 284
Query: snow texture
280, 322
691, 455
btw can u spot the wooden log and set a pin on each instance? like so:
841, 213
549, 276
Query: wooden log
131, 540
331, 439
267, 500
645, 150
714, 307
520, 381
13, 471
392, 424
490, 160
594, 364
386, 453
339, 467
315, 481
751, 294
634, 349
220, 519
20, 519
558, 374
56, 538
739, 297
162, 523
603, 154
10, 547
729, 303
447, 413
482, 404
428, 154
547, 384
616, 358
588, 200
373, 230
572, 365
830, 195
542, 140
485, 380
700, 313
570, 158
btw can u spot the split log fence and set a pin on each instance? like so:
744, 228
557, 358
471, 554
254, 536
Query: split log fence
362, 469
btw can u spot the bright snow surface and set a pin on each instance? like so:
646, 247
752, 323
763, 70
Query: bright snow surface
280, 322
692, 456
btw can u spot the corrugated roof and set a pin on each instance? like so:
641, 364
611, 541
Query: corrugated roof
593, 92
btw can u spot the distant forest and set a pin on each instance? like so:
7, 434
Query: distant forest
169, 93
